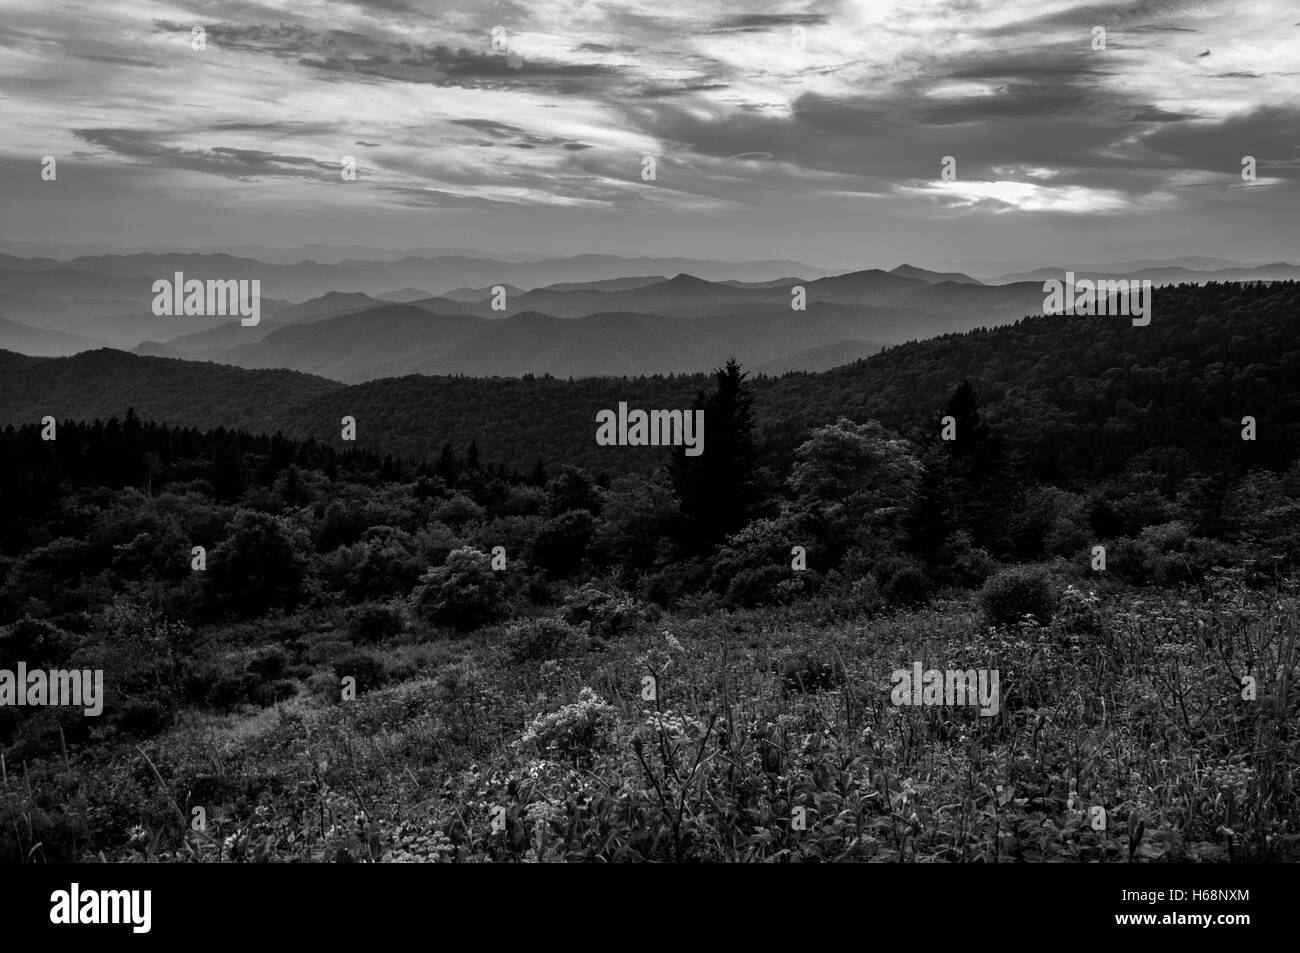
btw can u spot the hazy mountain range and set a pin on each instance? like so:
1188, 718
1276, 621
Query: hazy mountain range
1181, 381
354, 319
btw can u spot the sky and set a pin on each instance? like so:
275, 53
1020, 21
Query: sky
815, 131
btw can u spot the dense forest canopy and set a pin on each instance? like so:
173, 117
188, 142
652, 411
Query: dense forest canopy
1077, 395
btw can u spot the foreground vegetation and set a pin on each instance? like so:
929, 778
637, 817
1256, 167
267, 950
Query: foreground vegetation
536, 741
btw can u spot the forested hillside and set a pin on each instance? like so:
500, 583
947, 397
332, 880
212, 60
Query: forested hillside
1074, 395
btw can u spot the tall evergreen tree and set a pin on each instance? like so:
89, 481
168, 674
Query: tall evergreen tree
979, 478
447, 467
722, 489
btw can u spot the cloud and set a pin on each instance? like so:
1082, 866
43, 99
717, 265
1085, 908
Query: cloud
224, 161
738, 114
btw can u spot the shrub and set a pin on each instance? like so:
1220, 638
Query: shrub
668, 586
142, 717
562, 542
574, 732
279, 690
539, 639
35, 642
903, 582
750, 568
802, 671
608, 615
326, 687
463, 593
375, 622
383, 563
1015, 593
259, 566
1078, 612
368, 670
964, 564
10, 719
269, 664
236, 688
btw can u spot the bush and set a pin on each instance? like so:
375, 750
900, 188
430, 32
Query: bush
962, 563
34, 641
608, 615
668, 586
751, 567
540, 639
237, 688
279, 690
375, 622
269, 664
10, 719
258, 567
903, 582
325, 648
368, 670
1079, 612
562, 542
1015, 593
463, 593
802, 671
574, 732
326, 687
142, 717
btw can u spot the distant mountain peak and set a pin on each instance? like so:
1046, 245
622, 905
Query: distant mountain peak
933, 277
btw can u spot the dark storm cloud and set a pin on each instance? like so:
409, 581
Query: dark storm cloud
656, 92
1156, 114
605, 48
274, 128
761, 22
121, 60
1271, 135
357, 54
490, 126
1064, 66
1010, 101
227, 162
523, 139
1128, 17
886, 141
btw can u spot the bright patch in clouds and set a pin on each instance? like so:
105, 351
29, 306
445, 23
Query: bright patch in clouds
1021, 197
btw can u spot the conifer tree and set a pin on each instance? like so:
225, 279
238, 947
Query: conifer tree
722, 489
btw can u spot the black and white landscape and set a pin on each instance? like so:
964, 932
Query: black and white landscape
834, 431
